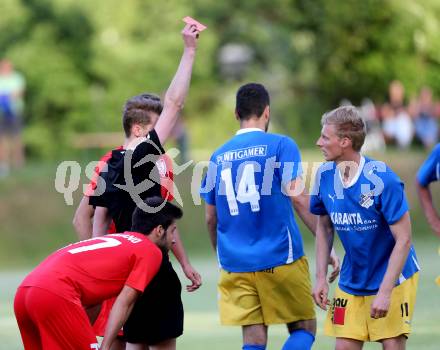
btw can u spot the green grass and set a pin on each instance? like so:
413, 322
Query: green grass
34, 221
202, 328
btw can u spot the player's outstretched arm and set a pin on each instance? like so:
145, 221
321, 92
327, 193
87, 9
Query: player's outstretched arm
427, 204
401, 231
189, 271
176, 93
120, 311
301, 203
211, 223
83, 218
324, 244
101, 221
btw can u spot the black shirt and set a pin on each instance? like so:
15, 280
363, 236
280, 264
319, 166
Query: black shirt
132, 176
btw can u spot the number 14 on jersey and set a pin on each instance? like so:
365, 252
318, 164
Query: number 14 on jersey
246, 192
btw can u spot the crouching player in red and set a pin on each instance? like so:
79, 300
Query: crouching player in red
49, 303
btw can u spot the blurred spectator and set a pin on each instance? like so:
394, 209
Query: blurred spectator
396, 121
374, 140
425, 119
12, 86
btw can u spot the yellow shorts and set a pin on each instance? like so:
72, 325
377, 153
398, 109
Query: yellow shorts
349, 315
280, 294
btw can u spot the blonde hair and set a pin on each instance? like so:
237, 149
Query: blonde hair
348, 123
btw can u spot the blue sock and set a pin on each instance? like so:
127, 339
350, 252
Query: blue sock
254, 347
299, 339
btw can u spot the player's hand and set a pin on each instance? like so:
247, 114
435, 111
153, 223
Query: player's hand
320, 293
193, 276
380, 305
190, 35
336, 264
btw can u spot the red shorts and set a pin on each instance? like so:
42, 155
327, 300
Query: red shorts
101, 321
50, 322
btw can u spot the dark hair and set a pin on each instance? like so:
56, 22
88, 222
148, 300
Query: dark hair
144, 221
137, 110
251, 100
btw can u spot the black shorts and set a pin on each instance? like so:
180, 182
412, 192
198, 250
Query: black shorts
158, 313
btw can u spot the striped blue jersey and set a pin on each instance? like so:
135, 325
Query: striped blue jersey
256, 228
362, 213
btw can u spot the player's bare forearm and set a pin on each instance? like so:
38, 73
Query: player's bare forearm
211, 223
82, 220
401, 231
178, 89
179, 250
324, 242
181, 256
427, 204
101, 221
324, 245
120, 311
301, 203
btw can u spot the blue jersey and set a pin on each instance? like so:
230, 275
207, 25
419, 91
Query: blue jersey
256, 228
430, 169
362, 213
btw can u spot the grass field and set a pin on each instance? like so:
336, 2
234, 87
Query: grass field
202, 328
35, 220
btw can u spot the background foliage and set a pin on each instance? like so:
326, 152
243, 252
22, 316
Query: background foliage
83, 59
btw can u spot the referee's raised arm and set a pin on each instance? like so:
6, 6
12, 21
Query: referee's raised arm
178, 89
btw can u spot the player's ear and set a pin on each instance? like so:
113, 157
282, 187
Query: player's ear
266, 112
134, 129
346, 142
160, 231
237, 116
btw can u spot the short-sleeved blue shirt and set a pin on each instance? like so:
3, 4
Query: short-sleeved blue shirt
430, 169
256, 228
362, 213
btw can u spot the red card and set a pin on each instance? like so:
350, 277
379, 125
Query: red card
339, 315
200, 27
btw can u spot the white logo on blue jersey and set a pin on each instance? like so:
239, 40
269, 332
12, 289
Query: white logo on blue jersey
366, 200
372, 203
243, 153
346, 218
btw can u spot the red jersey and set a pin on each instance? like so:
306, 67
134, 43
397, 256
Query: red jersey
93, 182
91, 271
98, 168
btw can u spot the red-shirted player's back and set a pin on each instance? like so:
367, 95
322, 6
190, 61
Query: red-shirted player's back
96, 269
